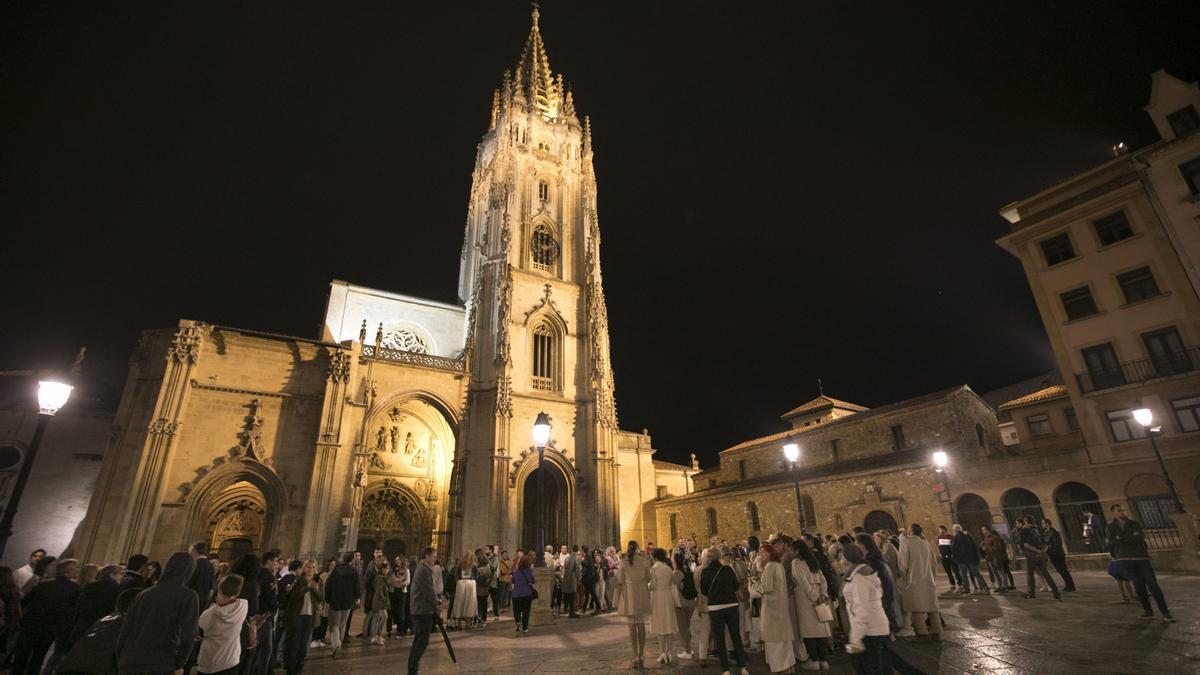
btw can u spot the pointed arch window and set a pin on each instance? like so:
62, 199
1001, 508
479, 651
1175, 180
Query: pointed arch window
711, 515
752, 516
543, 190
545, 358
543, 248
674, 526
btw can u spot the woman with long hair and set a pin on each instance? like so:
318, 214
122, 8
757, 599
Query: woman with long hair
776, 632
810, 592
633, 591
685, 594
301, 606
874, 559
662, 605
466, 608
522, 592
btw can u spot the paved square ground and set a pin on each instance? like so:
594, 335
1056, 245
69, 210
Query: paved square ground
1091, 631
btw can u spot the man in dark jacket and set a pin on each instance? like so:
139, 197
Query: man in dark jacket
160, 627
96, 600
423, 607
966, 556
268, 603
720, 584
133, 572
945, 544
204, 579
342, 593
1057, 554
1127, 542
1029, 543
96, 651
46, 618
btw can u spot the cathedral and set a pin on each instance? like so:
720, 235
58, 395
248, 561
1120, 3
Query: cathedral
406, 422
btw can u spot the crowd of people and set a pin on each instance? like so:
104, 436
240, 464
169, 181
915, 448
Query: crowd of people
796, 600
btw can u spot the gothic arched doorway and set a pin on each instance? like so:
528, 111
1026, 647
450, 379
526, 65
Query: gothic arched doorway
556, 507
392, 520
880, 520
237, 521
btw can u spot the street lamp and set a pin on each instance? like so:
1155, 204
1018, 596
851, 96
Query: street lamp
792, 452
51, 397
941, 460
1144, 417
541, 436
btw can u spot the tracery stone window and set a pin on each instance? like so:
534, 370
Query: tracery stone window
405, 340
387, 511
543, 190
545, 358
543, 248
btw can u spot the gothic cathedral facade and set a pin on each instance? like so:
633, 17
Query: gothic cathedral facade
407, 422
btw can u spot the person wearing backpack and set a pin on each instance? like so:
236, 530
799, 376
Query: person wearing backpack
685, 603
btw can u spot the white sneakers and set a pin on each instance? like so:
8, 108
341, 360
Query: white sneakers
685, 655
810, 665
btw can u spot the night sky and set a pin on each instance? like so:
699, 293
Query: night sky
787, 190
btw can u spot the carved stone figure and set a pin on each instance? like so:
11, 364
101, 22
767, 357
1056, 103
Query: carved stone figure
409, 443
395, 438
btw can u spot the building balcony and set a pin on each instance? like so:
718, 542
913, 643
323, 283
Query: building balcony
1136, 372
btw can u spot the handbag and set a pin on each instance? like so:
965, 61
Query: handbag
824, 612
533, 594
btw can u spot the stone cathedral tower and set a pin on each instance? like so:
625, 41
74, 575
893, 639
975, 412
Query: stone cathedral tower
537, 327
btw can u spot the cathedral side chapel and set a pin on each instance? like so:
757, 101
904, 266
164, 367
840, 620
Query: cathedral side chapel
407, 422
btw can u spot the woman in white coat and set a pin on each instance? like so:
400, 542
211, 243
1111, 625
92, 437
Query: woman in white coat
776, 631
870, 631
662, 605
810, 592
917, 584
633, 601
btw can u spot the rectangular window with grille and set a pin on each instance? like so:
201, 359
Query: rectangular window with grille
1078, 303
1103, 367
1039, 425
1187, 413
1123, 426
545, 359
1138, 285
1112, 228
1166, 352
1057, 249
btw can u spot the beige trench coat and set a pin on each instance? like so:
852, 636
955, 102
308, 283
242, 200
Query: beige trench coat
662, 600
917, 585
633, 593
776, 619
810, 586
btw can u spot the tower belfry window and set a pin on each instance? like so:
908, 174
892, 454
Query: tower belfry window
543, 190
543, 249
545, 358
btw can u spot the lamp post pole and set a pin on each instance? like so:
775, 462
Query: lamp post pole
51, 397
1163, 466
941, 460
791, 452
541, 436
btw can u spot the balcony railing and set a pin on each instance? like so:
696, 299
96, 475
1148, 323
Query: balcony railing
413, 358
1134, 372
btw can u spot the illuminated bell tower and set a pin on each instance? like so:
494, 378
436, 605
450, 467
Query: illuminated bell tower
537, 327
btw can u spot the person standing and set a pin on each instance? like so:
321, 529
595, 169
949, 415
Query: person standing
776, 631
160, 626
810, 592
342, 593
685, 593
1097, 530
1029, 542
46, 619
422, 608
398, 580
966, 556
204, 579
995, 552
377, 602
1128, 544
1057, 555
96, 600
268, 605
870, 631
945, 545
301, 604
505, 573
465, 610
917, 584
134, 567
571, 575
522, 592
633, 598
24, 573
720, 583
221, 625
662, 606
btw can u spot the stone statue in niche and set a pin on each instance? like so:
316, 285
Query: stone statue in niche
418, 459
381, 440
395, 439
409, 443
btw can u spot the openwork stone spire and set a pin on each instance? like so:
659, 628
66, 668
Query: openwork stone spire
533, 79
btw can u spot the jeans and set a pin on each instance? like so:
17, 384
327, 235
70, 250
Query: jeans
591, 589
877, 659
398, 603
722, 619
481, 607
422, 625
1059, 560
1141, 573
339, 619
970, 572
952, 572
496, 595
295, 646
264, 651
1038, 563
568, 601
521, 611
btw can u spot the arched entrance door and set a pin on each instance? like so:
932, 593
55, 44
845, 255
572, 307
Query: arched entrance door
555, 504
1019, 502
1071, 500
879, 520
392, 521
973, 513
236, 521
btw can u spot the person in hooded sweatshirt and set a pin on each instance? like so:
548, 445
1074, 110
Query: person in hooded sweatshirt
160, 627
95, 652
221, 623
870, 630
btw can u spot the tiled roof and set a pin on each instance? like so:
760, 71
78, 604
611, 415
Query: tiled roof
997, 397
1056, 391
670, 466
820, 403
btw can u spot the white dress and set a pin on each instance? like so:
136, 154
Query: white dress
465, 605
777, 631
662, 600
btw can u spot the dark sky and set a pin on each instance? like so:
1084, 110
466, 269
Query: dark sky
787, 190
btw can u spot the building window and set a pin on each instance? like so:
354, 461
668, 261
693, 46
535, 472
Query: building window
741, 469
543, 190
1183, 120
1039, 425
544, 248
1057, 249
752, 516
835, 448
979, 435
1166, 352
1191, 174
898, 437
810, 513
1103, 367
674, 527
660, 492
1187, 413
545, 358
1154, 512
1112, 228
1078, 303
710, 515
712, 482
1138, 285
1123, 426
1072, 419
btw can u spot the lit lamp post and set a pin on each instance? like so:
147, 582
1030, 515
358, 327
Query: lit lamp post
792, 452
1145, 418
541, 436
51, 397
941, 460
